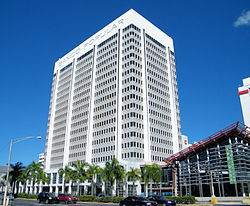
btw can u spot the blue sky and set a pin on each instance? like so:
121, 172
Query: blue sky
211, 39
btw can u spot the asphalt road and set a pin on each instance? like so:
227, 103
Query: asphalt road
22, 202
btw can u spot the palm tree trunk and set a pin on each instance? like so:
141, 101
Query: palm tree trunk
133, 188
112, 189
92, 187
33, 187
17, 188
78, 189
151, 188
146, 189
104, 188
24, 188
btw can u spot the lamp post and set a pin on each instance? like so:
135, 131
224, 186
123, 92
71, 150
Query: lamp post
13, 141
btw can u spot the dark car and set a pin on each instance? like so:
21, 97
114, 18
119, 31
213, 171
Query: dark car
137, 201
161, 200
47, 197
67, 198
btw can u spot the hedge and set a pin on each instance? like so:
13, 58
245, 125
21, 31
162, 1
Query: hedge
27, 196
117, 199
109, 199
183, 200
87, 198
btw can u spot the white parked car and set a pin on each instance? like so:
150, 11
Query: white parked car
9, 196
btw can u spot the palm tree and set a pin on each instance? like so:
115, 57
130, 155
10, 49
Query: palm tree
2, 184
134, 174
156, 173
151, 174
104, 176
92, 172
16, 171
79, 174
34, 170
66, 173
41, 178
24, 177
146, 173
113, 172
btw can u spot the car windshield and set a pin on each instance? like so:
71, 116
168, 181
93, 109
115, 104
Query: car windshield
162, 198
51, 195
68, 195
142, 198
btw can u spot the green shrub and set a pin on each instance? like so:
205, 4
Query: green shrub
183, 200
99, 199
32, 196
106, 199
87, 198
117, 199
21, 195
27, 196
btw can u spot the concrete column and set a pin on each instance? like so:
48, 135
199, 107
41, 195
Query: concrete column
50, 189
57, 190
103, 188
138, 188
85, 189
70, 189
40, 188
63, 189
243, 190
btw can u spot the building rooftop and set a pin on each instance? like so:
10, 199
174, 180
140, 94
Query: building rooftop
238, 127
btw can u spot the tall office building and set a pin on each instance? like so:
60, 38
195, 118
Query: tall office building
244, 93
115, 96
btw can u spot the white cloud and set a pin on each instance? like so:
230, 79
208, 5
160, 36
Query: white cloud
244, 19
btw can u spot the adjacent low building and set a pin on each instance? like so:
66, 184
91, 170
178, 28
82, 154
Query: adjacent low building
217, 165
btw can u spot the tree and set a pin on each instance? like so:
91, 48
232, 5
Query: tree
2, 184
41, 178
113, 172
79, 174
92, 172
34, 170
134, 174
156, 173
15, 172
24, 177
104, 176
66, 173
146, 172
151, 174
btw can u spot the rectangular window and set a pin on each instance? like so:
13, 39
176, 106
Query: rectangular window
54, 178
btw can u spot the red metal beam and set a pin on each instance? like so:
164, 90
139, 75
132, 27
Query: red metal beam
193, 148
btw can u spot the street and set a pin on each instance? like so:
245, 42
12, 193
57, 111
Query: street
23, 202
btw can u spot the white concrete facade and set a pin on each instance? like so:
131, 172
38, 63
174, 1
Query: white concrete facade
244, 93
41, 158
115, 96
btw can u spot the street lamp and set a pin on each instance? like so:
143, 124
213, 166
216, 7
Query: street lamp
13, 141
